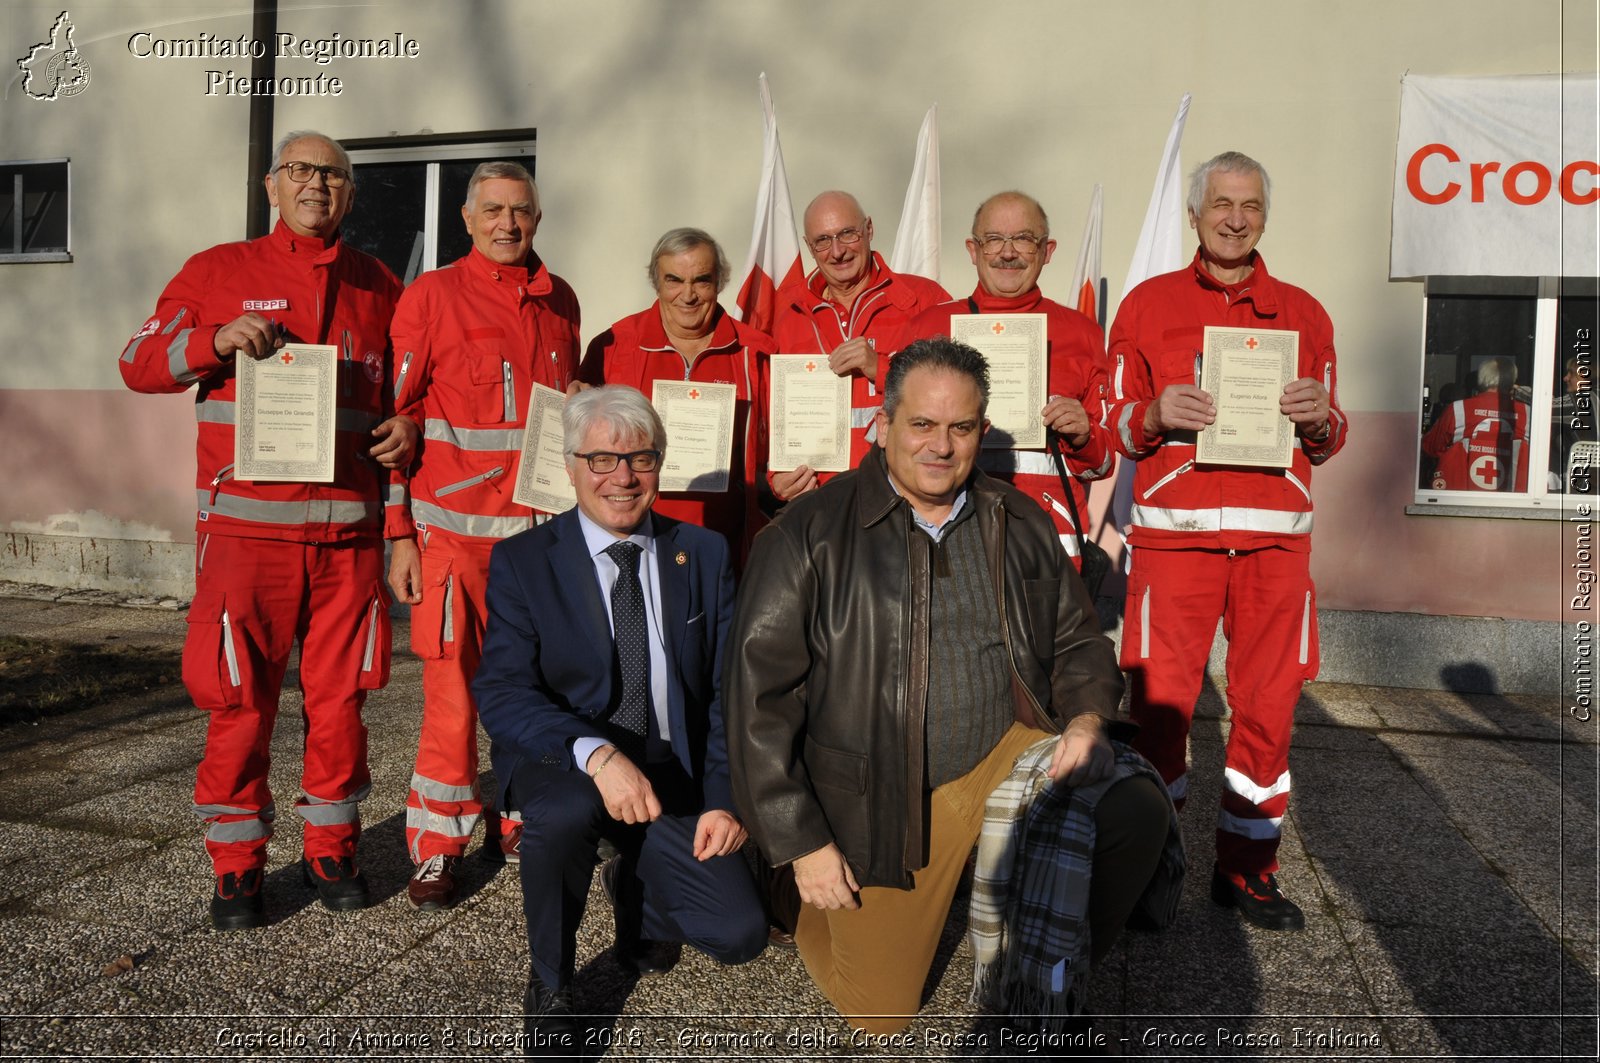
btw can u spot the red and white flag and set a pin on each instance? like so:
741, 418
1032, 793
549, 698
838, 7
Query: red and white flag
916, 242
1086, 275
774, 258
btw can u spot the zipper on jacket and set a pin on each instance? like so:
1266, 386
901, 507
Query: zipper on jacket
349, 368
510, 393
216, 481
1050, 501
1174, 474
1292, 478
1117, 381
400, 381
1043, 718
471, 481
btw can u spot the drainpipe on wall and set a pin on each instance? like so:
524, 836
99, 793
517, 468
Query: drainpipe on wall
263, 28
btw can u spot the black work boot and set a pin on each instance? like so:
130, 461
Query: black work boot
236, 904
339, 886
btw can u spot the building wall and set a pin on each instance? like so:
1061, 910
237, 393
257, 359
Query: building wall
647, 117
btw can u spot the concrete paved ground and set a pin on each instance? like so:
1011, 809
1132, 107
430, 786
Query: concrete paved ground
1443, 846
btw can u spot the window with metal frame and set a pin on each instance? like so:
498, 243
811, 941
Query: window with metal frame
1508, 394
407, 210
34, 220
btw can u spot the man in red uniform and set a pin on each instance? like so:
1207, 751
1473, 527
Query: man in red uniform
1215, 541
853, 309
1010, 246
470, 341
278, 561
686, 335
1478, 440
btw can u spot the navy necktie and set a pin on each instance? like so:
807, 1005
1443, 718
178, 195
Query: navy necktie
628, 628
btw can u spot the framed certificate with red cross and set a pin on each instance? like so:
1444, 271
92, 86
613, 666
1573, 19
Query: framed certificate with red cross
1245, 371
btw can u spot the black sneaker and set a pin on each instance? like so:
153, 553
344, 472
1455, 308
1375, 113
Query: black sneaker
339, 886
236, 904
1259, 901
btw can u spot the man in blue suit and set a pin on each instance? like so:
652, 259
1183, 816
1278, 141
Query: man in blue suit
601, 689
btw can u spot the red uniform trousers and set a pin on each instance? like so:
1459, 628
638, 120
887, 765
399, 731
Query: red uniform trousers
1268, 608
445, 802
253, 599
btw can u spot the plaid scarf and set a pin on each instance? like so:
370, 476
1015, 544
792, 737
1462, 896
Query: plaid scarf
1029, 922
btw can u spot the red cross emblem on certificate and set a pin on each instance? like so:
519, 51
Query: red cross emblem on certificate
286, 357
694, 393
811, 367
1252, 343
998, 327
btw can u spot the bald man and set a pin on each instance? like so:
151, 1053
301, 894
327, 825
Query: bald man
852, 308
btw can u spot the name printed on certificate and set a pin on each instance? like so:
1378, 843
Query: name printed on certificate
1017, 349
1245, 372
810, 416
542, 481
699, 422
286, 410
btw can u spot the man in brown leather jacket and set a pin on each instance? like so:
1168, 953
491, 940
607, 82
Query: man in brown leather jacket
902, 634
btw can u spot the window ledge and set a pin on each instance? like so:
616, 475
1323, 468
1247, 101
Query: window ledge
1556, 510
38, 256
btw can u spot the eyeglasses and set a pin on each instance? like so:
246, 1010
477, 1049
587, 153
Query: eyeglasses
846, 238
992, 243
604, 461
300, 173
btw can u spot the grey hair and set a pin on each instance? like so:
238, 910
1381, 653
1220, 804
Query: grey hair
1228, 162
1497, 373
623, 409
309, 134
676, 242
505, 170
936, 352
1044, 218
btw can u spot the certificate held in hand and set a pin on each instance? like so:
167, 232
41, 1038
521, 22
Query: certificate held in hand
542, 481
1245, 372
810, 416
286, 414
1016, 346
699, 422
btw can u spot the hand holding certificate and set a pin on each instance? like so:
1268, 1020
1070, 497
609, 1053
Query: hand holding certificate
286, 408
1015, 346
699, 422
1246, 371
542, 481
810, 416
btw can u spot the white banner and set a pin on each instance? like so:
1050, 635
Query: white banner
1496, 176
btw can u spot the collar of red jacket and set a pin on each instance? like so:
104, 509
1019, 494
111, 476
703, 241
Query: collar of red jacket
817, 285
288, 241
1026, 303
532, 276
653, 334
1259, 287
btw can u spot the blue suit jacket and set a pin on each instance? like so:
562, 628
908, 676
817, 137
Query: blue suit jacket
547, 675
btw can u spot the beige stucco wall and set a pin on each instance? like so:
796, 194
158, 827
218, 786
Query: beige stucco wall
647, 117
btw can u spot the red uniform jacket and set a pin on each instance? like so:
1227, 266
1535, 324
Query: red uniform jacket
1474, 445
318, 293
470, 340
1156, 341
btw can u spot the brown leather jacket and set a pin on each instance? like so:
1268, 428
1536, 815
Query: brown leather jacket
826, 676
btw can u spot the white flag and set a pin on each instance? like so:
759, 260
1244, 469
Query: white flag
1161, 241
1086, 275
774, 258
1159, 250
916, 242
